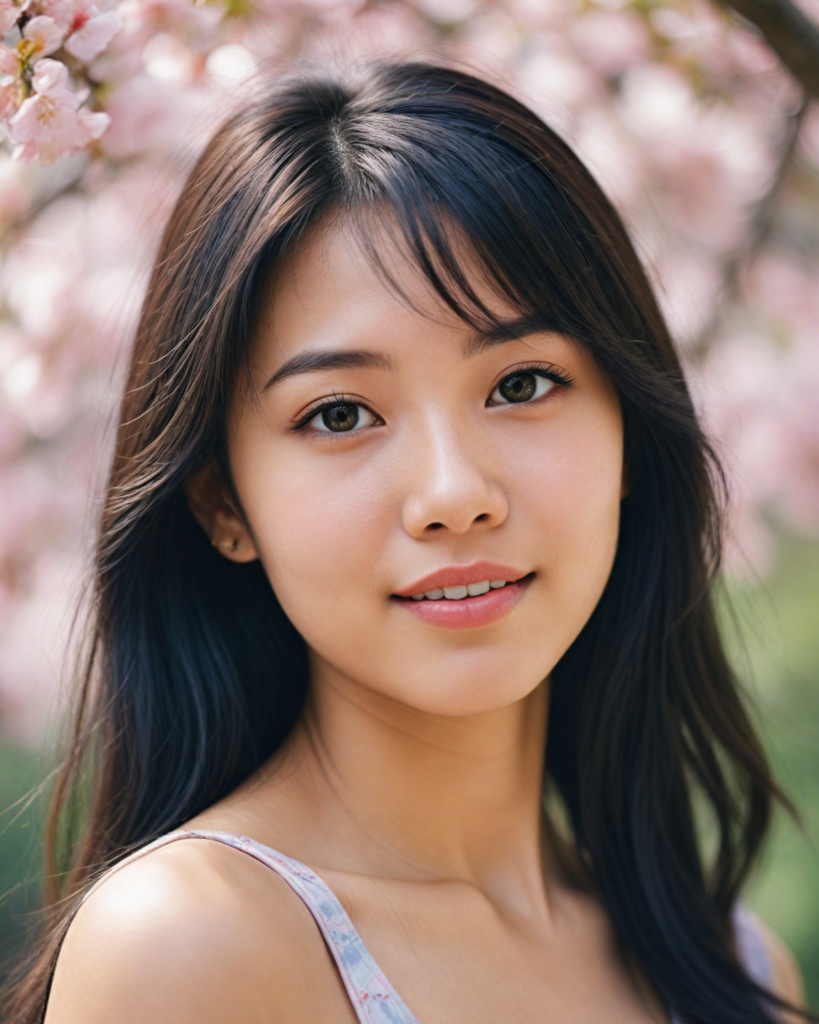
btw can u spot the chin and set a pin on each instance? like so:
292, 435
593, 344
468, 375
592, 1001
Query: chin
465, 696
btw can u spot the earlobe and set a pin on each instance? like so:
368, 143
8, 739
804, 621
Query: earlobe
231, 537
212, 508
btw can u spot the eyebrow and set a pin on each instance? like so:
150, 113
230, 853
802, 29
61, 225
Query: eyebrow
507, 330
324, 359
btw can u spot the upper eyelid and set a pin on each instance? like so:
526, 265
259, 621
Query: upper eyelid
337, 398
548, 368
319, 404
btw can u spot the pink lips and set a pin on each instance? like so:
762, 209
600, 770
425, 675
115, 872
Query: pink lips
471, 612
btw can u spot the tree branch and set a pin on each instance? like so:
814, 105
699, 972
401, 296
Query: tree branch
789, 32
760, 223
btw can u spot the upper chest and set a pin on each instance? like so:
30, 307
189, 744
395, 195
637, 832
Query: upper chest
454, 959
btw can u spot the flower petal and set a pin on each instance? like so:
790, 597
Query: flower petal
9, 61
9, 13
45, 34
89, 41
49, 128
51, 78
69, 14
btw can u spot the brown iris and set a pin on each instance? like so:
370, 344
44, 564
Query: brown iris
340, 417
518, 387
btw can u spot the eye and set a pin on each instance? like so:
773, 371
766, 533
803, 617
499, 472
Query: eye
521, 386
341, 418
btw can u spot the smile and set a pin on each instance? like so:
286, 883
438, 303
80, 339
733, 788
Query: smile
451, 599
459, 593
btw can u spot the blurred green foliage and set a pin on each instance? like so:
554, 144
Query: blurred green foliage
779, 627
21, 815
773, 629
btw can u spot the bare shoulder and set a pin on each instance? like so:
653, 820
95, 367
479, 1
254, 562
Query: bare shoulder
786, 978
192, 931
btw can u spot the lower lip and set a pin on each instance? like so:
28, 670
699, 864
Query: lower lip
471, 612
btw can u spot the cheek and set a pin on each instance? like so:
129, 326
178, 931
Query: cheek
571, 491
319, 529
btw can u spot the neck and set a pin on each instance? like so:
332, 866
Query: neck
405, 793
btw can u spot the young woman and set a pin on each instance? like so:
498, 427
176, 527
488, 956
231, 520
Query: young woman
406, 701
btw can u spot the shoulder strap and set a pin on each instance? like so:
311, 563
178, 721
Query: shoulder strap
374, 999
751, 947
753, 952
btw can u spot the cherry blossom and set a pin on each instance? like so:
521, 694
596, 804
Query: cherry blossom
9, 13
681, 113
70, 15
51, 123
38, 109
9, 62
93, 36
88, 28
41, 36
9, 93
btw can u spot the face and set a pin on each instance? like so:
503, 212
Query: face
389, 453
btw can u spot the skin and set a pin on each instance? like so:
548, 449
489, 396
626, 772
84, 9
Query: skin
412, 784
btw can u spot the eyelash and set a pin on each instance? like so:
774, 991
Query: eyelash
547, 370
328, 403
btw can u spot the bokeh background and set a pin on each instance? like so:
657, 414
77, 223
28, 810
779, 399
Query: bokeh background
690, 119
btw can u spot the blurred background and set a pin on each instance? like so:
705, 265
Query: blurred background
698, 123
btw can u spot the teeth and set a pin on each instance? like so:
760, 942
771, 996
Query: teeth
459, 593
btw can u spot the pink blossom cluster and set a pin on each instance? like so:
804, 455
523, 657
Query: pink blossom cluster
47, 48
680, 111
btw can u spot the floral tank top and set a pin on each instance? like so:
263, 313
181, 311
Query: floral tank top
374, 999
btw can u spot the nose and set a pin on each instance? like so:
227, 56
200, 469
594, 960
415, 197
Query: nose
452, 489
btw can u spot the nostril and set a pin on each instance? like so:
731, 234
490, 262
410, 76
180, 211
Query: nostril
482, 517
435, 526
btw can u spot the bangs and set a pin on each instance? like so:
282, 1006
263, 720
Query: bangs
469, 209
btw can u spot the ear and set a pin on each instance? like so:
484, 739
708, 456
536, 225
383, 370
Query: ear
209, 500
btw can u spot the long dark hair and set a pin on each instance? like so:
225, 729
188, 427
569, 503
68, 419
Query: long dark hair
195, 676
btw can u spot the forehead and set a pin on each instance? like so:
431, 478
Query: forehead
330, 291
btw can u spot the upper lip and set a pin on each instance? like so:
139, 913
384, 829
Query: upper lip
460, 576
